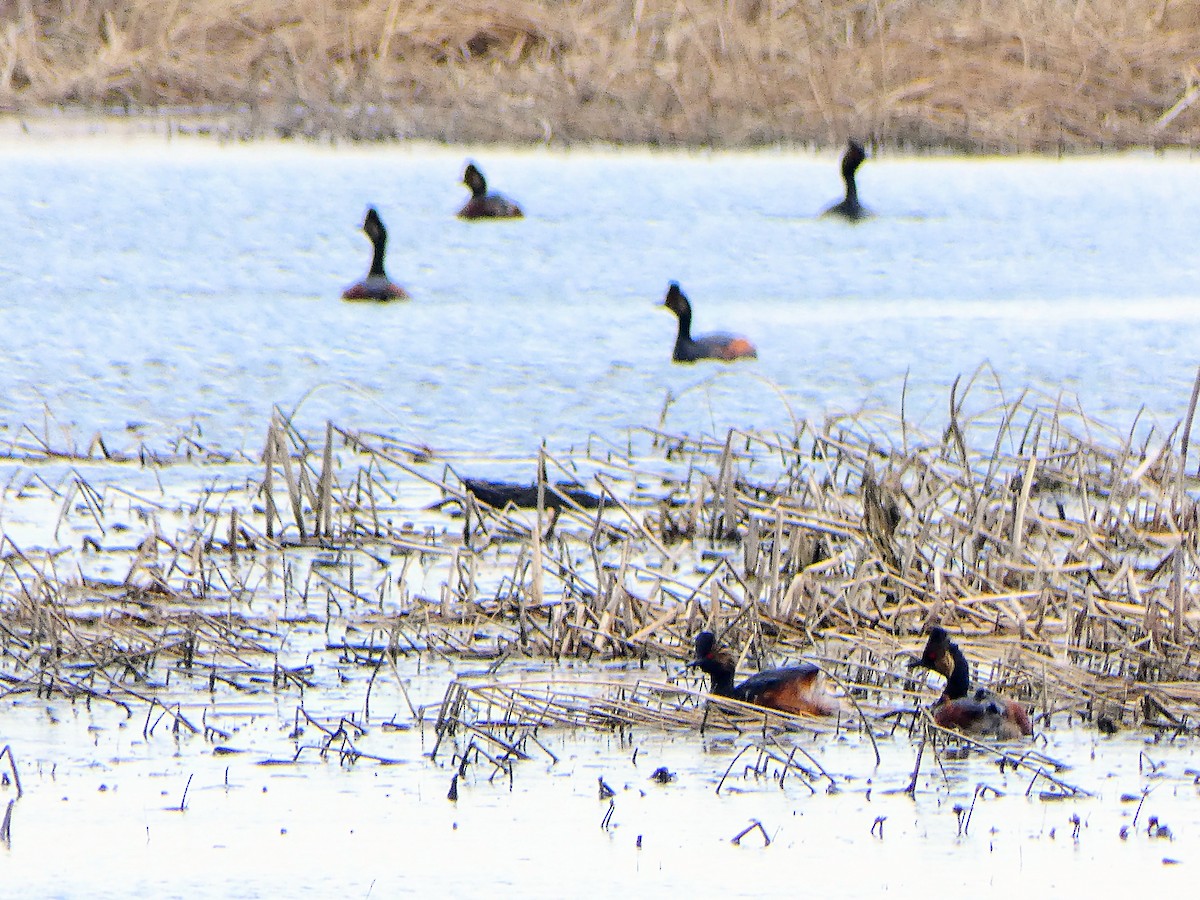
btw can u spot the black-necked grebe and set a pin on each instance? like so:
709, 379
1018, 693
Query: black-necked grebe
794, 689
376, 286
718, 345
499, 494
850, 208
483, 205
980, 712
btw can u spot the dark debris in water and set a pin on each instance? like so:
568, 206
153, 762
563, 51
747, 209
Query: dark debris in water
499, 494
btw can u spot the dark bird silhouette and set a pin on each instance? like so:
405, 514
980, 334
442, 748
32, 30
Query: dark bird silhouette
499, 494
376, 286
484, 205
849, 208
980, 712
793, 689
718, 345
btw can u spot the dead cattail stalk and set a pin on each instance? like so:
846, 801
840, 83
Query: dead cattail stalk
12, 765
324, 510
1177, 571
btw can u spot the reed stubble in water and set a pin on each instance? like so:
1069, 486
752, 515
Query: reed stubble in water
968, 74
1050, 542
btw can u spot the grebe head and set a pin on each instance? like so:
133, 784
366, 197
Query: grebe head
943, 656
373, 226
718, 664
936, 656
705, 642
852, 159
474, 180
677, 302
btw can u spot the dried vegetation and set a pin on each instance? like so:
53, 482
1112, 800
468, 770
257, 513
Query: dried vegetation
968, 74
1063, 555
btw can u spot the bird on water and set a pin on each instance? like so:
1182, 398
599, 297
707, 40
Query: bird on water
850, 208
718, 345
794, 689
376, 286
978, 712
485, 205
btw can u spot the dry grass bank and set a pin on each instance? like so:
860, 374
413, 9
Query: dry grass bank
974, 74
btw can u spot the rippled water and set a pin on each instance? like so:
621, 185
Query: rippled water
111, 788
150, 288
149, 285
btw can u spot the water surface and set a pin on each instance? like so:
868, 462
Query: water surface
150, 288
153, 289
111, 791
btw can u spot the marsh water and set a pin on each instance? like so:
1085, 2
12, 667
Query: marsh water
101, 816
149, 286
153, 289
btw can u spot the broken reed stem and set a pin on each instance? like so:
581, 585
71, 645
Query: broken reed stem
539, 596
911, 790
737, 839
283, 455
862, 716
324, 511
729, 768
268, 489
183, 799
12, 764
1181, 550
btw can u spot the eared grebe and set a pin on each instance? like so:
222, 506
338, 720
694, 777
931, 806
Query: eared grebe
706, 346
483, 205
794, 689
499, 494
376, 286
980, 712
850, 208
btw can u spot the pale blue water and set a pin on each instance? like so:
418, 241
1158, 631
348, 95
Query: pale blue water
151, 288
159, 284
110, 789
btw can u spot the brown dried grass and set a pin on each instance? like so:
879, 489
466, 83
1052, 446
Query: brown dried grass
1061, 553
969, 74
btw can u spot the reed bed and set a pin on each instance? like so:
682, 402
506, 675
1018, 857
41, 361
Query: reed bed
964, 74
1062, 555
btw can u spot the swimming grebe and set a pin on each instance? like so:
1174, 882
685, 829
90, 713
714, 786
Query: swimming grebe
980, 712
376, 286
499, 494
707, 346
794, 689
850, 208
483, 205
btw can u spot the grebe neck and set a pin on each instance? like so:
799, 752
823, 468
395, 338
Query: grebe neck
377, 259
958, 683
